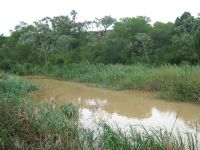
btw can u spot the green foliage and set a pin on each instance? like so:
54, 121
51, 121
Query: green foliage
24, 124
158, 139
6, 64
73, 13
113, 140
59, 42
128, 27
105, 22
15, 85
2, 39
197, 39
144, 44
162, 34
174, 82
185, 24
70, 110
28, 125
130, 40
59, 60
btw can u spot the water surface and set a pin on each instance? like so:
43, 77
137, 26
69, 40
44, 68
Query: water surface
119, 108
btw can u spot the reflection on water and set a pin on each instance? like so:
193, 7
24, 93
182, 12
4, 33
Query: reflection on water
95, 102
121, 108
157, 120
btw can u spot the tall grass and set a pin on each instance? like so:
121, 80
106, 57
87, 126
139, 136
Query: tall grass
28, 125
173, 82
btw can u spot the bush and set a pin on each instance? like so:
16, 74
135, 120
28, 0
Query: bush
14, 85
6, 64
70, 111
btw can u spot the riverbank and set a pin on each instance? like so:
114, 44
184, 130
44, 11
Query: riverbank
28, 125
180, 83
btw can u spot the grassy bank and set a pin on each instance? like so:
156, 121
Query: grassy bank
28, 125
173, 82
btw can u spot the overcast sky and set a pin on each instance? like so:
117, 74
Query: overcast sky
14, 11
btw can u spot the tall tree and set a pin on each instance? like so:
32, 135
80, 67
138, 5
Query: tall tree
105, 22
162, 33
197, 40
73, 13
128, 27
185, 24
61, 25
144, 44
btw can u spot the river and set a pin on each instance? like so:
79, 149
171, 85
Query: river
119, 108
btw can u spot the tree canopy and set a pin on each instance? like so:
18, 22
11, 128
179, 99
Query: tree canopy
63, 39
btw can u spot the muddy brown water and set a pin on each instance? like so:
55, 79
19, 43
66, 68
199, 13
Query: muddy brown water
121, 108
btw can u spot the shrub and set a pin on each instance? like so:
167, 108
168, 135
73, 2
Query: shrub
6, 64
70, 110
15, 85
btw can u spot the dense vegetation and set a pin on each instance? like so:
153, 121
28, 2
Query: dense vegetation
52, 46
172, 82
61, 40
28, 125
105, 52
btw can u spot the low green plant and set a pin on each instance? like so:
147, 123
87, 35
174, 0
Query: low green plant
70, 110
15, 85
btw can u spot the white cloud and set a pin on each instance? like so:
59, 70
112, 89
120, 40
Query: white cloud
14, 11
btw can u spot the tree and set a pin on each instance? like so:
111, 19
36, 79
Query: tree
185, 24
144, 43
2, 40
105, 22
64, 43
61, 25
124, 34
197, 40
128, 27
62, 39
73, 13
162, 33
42, 39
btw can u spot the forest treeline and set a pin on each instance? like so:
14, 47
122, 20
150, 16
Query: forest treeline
62, 39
